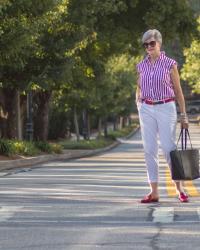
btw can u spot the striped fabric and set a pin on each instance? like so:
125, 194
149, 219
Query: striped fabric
155, 82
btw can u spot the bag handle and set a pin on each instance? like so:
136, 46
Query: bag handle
183, 137
187, 134
180, 136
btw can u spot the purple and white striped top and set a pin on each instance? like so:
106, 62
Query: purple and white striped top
155, 81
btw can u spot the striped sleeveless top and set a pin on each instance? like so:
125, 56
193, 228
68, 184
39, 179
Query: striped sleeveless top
155, 81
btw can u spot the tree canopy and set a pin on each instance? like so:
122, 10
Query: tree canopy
191, 69
81, 52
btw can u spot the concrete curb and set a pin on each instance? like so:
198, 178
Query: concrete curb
67, 155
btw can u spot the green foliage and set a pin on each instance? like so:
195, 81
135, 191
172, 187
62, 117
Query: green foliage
25, 148
121, 83
99, 142
14, 147
122, 133
20, 28
87, 144
59, 119
48, 147
5, 147
83, 50
43, 146
182, 23
191, 69
56, 148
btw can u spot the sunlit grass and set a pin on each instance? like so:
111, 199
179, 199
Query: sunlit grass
99, 142
87, 144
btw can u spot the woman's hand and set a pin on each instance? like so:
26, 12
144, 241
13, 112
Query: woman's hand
184, 125
184, 120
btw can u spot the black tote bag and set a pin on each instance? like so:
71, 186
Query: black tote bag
185, 162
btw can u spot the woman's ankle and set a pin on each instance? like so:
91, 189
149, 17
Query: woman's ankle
154, 194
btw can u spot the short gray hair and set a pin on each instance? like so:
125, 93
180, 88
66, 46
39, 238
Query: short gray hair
152, 34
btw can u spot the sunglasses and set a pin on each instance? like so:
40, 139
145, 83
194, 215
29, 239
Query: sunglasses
151, 44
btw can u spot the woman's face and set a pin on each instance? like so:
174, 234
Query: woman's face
151, 46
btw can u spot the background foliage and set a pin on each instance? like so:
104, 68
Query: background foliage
78, 59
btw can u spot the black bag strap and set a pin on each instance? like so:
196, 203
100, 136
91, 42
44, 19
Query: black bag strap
180, 136
187, 134
183, 137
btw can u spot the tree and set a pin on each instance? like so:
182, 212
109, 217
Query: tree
190, 71
20, 25
53, 45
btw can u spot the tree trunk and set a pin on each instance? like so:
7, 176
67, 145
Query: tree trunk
3, 115
85, 130
129, 121
19, 122
99, 127
105, 128
126, 121
76, 124
9, 108
120, 122
115, 124
29, 116
88, 126
41, 102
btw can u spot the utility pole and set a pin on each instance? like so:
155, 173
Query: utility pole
18, 111
85, 125
29, 123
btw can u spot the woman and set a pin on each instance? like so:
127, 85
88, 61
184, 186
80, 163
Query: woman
158, 87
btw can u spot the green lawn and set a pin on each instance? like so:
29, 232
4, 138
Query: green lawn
87, 144
99, 142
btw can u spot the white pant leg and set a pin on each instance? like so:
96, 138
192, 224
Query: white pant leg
167, 119
149, 130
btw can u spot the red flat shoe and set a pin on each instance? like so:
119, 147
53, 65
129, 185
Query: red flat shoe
149, 199
183, 197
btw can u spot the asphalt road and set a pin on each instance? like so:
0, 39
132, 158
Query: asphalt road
94, 203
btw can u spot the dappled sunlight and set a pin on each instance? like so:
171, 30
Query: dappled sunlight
103, 190
96, 164
176, 232
133, 142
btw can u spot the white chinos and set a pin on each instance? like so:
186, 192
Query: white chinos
157, 121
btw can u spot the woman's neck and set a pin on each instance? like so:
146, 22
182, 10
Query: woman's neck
154, 57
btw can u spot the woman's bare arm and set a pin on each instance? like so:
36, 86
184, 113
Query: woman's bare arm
179, 95
137, 94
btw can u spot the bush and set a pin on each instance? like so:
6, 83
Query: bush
121, 133
49, 147
43, 146
5, 147
56, 148
24, 148
90, 144
15, 147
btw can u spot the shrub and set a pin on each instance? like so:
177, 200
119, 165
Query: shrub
56, 148
121, 133
24, 148
43, 146
49, 147
5, 147
90, 144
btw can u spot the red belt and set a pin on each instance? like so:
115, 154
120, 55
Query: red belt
158, 102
